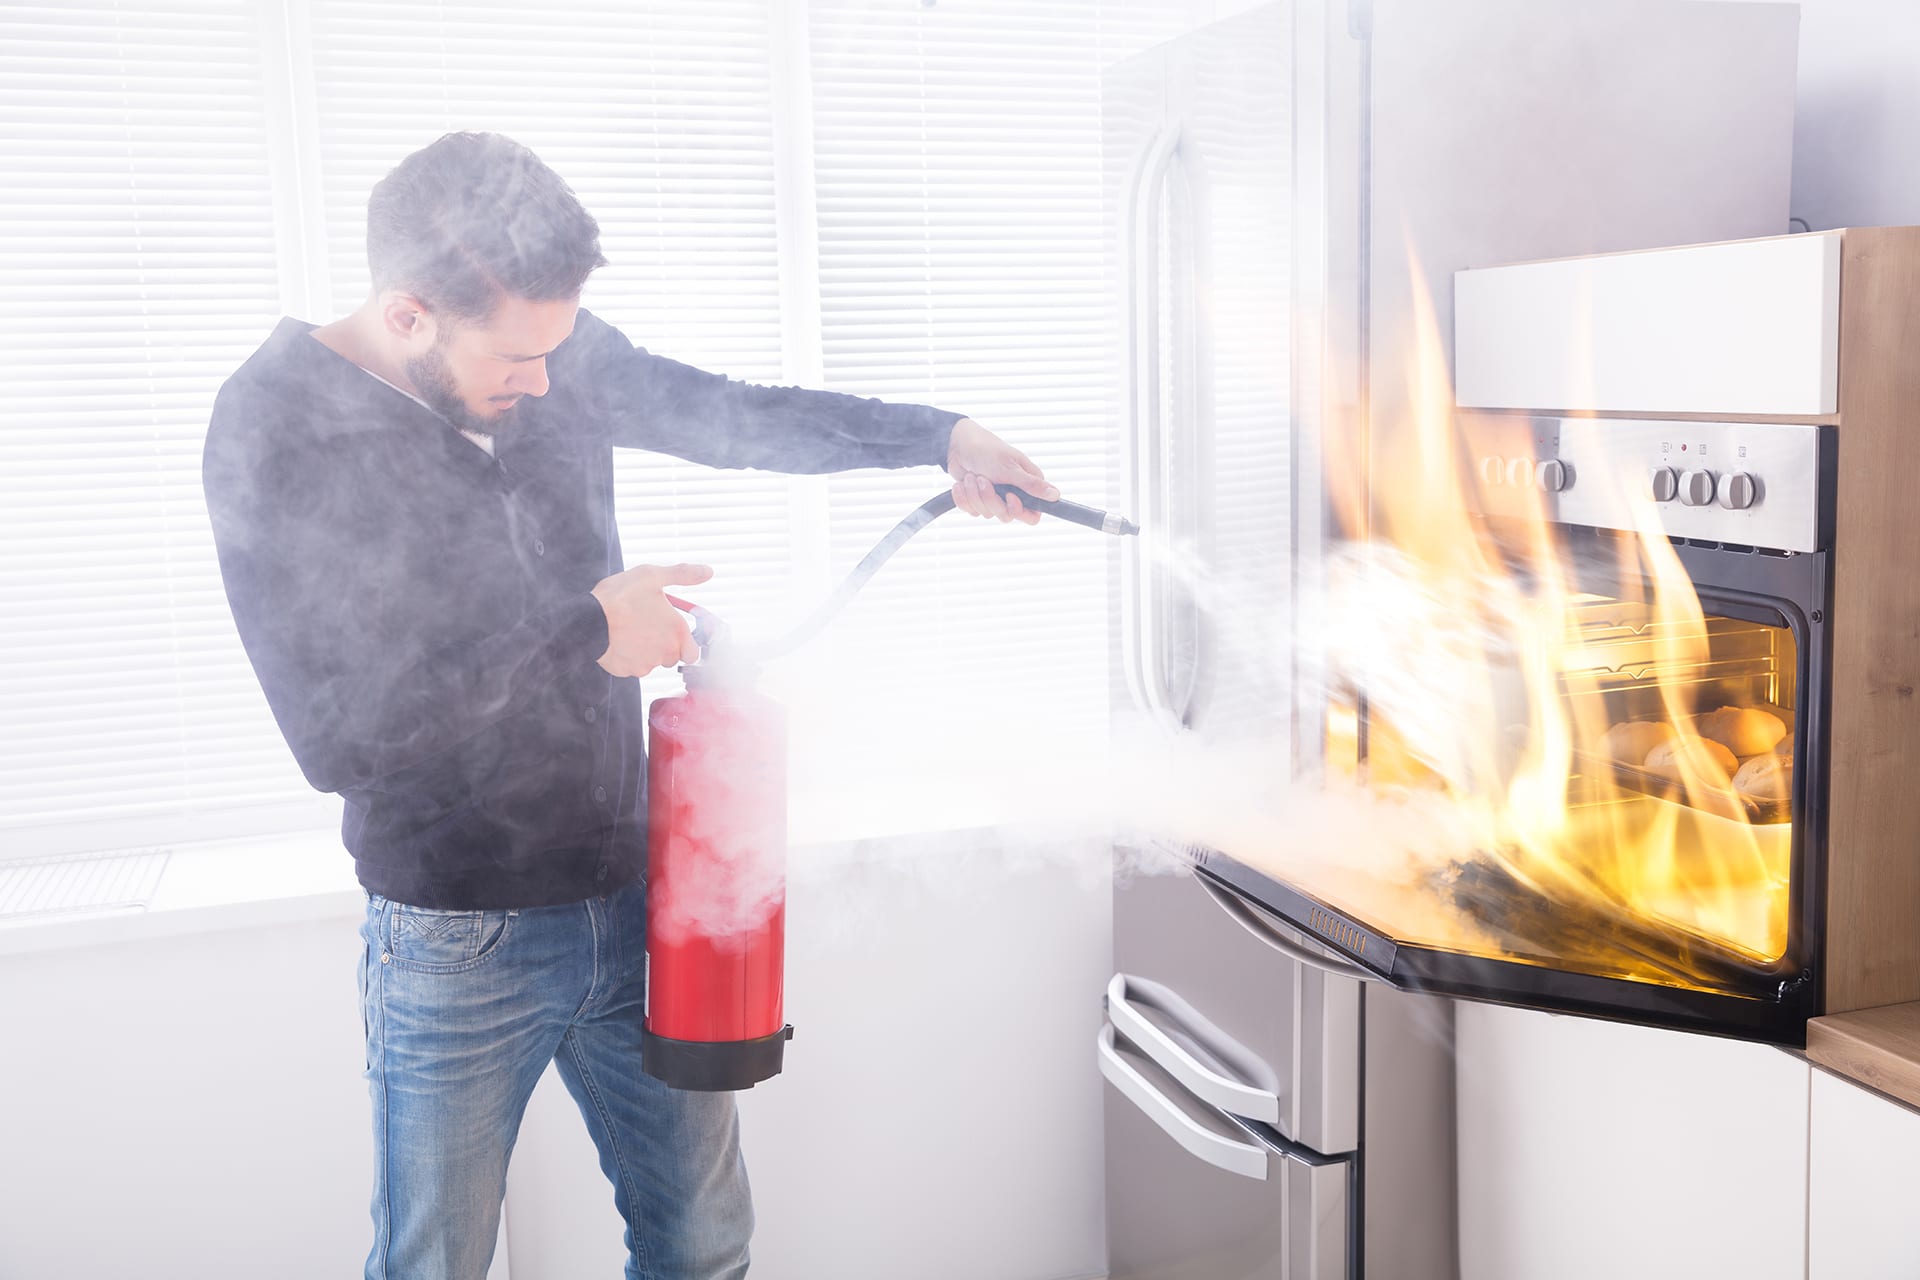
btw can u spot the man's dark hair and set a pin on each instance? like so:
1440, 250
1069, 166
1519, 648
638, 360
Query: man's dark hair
474, 216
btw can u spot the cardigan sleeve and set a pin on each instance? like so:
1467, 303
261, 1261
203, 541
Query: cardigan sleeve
652, 402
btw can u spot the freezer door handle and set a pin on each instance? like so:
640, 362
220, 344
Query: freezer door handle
1127, 995
1248, 1159
1261, 926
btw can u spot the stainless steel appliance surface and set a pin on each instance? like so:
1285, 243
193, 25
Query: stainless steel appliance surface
1234, 1132
1278, 183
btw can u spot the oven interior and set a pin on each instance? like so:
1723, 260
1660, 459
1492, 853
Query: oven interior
1675, 862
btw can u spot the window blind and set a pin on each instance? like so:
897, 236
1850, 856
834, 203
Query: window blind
139, 261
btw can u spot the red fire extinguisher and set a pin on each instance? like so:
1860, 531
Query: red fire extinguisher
716, 878
717, 842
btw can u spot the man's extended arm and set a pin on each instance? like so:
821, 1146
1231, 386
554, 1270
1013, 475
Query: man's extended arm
655, 403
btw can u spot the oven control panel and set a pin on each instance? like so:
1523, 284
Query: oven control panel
1758, 484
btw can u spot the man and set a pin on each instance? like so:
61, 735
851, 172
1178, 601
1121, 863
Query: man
414, 511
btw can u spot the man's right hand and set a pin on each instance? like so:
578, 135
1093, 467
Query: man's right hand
644, 632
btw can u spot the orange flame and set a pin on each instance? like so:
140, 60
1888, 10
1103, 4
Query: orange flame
1574, 706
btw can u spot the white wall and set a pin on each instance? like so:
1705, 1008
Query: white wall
1856, 153
186, 1107
196, 1102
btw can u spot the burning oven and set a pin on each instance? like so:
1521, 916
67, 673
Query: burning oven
1630, 640
1645, 705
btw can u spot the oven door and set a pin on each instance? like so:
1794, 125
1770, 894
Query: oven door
1675, 899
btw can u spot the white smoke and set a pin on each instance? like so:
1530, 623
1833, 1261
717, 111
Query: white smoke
991, 794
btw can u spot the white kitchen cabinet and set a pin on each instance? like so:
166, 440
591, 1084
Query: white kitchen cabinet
1751, 326
1597, 1150
1864, 1162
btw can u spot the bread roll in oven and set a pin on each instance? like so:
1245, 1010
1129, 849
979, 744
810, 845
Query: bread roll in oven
1665, 758
1630, 741
1766, 777
1745, 731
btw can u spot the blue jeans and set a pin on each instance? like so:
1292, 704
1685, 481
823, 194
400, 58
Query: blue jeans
464, 1010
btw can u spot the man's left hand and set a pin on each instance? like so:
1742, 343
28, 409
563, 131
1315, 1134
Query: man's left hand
977, 460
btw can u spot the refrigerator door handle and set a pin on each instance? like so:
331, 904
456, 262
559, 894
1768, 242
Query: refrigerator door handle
1141, 608
1248, 1159
1212, 1087
1261, 926
1179, 480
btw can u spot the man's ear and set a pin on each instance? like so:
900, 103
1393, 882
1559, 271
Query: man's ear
407, 320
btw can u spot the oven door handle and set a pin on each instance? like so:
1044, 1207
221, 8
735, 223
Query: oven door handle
1268, 929
1248, 1159
1212, 1087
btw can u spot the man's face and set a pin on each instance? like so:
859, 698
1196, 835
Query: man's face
474, 373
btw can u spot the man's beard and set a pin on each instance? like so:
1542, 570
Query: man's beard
433, 382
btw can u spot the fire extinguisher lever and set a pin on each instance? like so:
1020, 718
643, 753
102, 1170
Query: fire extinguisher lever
708, 629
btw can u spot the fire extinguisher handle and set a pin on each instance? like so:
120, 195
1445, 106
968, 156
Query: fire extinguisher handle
707, 627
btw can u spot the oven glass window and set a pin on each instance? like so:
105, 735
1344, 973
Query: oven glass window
1671, 846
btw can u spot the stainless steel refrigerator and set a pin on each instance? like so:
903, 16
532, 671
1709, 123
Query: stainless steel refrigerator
1272, 182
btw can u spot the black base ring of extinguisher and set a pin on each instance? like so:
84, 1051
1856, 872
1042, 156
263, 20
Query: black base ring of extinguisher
713, 1066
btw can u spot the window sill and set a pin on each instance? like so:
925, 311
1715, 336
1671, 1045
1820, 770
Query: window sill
225, 884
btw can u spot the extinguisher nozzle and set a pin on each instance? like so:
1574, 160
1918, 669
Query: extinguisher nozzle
1107, 522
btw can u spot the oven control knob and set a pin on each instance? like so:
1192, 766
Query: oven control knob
1696, 488
1552, 475
1665, 484
1520, 471
1492, 471
1737, 491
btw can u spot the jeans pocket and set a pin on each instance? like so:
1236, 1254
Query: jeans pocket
429, 940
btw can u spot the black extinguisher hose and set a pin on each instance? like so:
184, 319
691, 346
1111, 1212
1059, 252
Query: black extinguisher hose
922, 516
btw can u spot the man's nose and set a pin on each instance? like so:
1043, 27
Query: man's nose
529, 379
